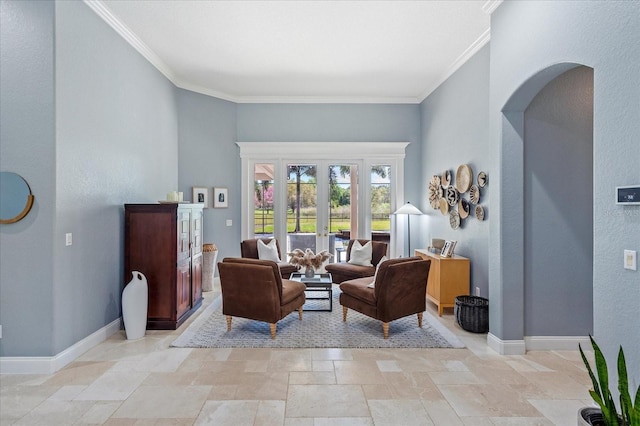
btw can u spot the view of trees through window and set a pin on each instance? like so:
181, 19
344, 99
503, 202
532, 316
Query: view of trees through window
302, 200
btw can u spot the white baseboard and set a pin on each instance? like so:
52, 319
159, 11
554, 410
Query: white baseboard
556, 343
537, 343
506, 347
51, 364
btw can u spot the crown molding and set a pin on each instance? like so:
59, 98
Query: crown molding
484, 38
296, 99
327, 100
490, 6
130, 37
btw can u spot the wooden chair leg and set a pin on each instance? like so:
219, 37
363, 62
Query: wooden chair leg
385, 329
300, 313
272, 327
228, 323
344, 313
420, 319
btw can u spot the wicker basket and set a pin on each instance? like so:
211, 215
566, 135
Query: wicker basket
472, 313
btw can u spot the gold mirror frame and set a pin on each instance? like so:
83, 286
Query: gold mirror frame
28, 202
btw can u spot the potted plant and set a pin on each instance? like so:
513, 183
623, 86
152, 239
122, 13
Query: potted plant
608, 415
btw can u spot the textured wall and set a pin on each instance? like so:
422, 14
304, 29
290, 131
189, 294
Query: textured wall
339, 123
455, 131
606, 37
558, 207
210, 157
115, 142
27, 147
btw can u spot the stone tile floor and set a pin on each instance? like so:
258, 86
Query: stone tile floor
144, 382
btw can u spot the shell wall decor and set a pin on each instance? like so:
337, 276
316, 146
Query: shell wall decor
447, 194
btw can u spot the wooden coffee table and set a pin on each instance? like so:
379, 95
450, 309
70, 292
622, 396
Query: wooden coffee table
319, 283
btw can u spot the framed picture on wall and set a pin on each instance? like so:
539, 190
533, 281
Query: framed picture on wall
220, 198
201, 195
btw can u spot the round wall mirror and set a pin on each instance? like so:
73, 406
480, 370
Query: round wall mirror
16, 197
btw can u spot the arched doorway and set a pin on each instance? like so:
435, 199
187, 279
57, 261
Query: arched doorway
546, 266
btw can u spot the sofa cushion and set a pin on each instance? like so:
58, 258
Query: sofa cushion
291, 290
359, 289
268, 251
361, 254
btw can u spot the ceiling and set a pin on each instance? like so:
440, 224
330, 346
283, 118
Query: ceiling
304, 51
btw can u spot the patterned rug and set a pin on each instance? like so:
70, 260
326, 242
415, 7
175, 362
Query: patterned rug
316, 330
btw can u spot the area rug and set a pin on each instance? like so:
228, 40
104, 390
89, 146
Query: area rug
316, 330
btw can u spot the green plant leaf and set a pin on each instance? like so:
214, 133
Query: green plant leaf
594, 381
623, 388
603, 372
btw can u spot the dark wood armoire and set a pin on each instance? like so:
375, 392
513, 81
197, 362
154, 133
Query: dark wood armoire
164, 242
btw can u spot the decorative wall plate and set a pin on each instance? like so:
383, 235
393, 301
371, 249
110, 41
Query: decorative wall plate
446, 178
464, 178
435, 192
474, 194
479, 213
452, 196
463, 208
444, 206
454, 219
482, 179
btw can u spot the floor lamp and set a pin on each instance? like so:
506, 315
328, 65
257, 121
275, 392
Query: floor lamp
408, 209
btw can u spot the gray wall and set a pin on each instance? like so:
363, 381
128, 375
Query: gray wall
606, 37
455, 131
208, 157
338, 123
27, 147
115, 142
558, 207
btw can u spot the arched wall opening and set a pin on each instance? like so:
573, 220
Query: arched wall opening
547, 144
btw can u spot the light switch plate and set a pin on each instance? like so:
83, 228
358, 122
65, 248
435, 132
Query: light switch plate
229, 222
68, 239
630, 260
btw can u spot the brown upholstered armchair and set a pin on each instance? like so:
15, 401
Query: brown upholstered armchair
346, 271
254, 289
400, 290
249, 250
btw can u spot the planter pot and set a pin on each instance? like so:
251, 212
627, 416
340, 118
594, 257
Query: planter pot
590, 416
208, 268
134, 306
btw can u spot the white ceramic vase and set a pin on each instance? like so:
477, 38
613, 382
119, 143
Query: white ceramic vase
134, 306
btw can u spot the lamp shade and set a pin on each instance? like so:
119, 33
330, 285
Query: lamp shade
408, 209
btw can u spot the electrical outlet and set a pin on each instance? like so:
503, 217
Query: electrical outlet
630, 260
68, 239
478, 291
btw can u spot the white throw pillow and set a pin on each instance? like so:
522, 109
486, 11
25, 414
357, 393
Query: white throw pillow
373, 283
360, 254
268, 251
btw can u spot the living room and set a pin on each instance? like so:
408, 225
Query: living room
92, 125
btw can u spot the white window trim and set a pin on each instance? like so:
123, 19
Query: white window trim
366, 153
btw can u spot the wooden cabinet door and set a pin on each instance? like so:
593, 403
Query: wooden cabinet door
433, 281
196, 232
196, 280
183, 240
183, 289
